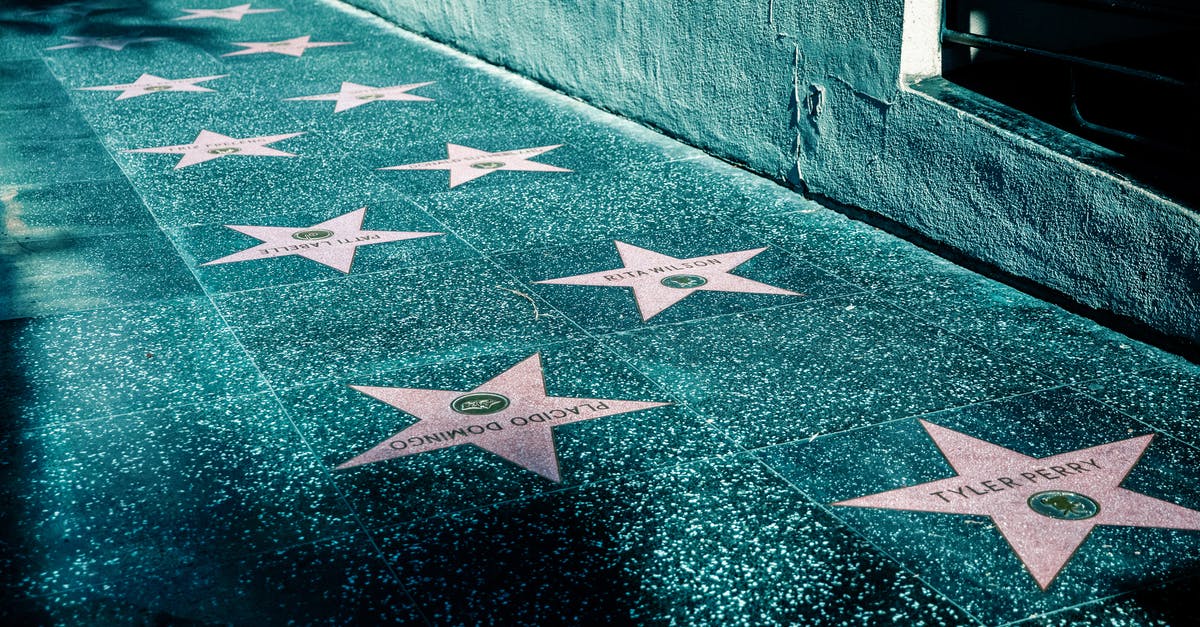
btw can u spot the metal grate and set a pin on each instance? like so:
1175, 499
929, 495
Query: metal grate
1122, 73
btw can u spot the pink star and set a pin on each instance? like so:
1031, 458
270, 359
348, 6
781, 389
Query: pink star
511, 415
659, 281
467, 164
108, 43
331, 243
150, 84
354, 95
231, 13
1044, 507
209, 146
293, 47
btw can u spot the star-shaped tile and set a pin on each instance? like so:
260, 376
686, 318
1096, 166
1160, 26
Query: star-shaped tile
331, 243
147, 84
511, 415
209, 146
467, 164
1044, 507
355, 95
659, 281
108, 43
231, 13
293, 47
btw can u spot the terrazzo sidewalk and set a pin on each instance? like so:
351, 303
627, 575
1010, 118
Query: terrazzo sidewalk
308, 320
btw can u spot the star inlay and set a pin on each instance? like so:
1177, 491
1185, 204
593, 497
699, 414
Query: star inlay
147, 84
331, 243
354, 95
510, 415
659, 281
231, 13
293, 47
108, 43
208, 146
467, 164
1044, 507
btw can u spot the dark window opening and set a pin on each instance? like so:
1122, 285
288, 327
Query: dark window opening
1120, 73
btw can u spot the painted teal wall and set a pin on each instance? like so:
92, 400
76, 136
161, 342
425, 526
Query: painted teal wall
808, 92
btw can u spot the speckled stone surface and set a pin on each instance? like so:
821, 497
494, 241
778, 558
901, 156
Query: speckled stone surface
340, 423
602, 309
163, 59
29, 85
860, 254
1158, 606
177, 436
30, 161
1011, 323
67, 210
232, 191
202, 244
241, 188
188, 486
329, 329
58, 275
49, 124
119, 360
965, 556
1167, 399
796, 371
334, 582
720, 542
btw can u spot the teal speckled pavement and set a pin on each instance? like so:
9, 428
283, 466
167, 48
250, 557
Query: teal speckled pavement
307, 320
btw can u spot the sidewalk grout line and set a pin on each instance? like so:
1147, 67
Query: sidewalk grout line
361, 527
604, 340
869, 542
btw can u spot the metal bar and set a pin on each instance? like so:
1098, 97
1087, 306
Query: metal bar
1115, 132
979, 41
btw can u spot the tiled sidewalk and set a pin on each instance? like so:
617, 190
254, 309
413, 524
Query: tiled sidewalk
285, 435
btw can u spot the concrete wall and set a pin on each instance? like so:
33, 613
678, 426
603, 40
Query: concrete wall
809, 92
